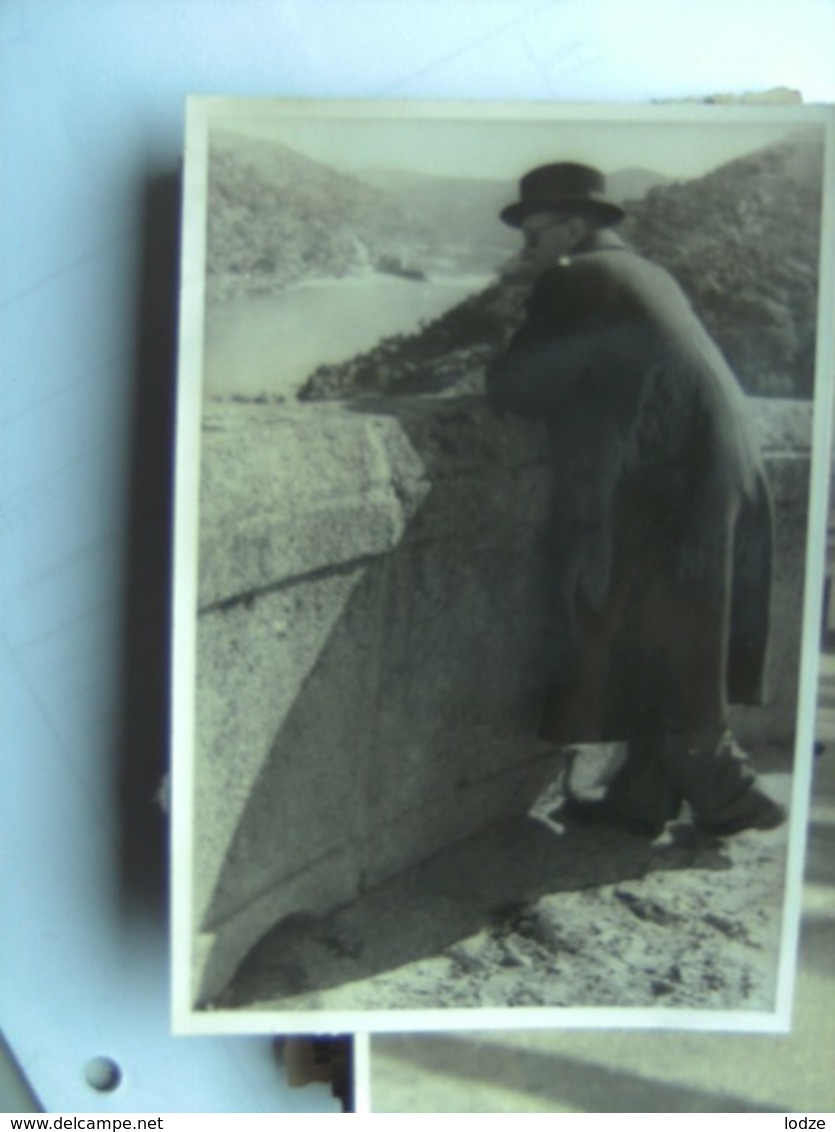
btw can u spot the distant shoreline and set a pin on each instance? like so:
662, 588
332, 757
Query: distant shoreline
237, 288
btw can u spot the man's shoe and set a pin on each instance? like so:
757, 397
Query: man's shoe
604, 813
760, 812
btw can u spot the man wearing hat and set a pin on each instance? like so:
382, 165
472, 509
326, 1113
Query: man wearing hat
659, 543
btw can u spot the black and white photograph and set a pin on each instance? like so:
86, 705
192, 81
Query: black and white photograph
501, 512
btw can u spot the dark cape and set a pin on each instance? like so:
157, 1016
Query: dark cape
659, 547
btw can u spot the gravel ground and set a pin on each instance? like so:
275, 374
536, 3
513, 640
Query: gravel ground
531, 914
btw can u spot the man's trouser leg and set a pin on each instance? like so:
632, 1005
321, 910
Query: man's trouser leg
717, 779
642, 789
676, 690
701, 761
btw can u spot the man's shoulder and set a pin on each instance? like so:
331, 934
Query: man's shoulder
601, 267
605, 284
623, 267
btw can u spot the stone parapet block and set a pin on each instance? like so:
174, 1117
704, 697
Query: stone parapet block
370, 644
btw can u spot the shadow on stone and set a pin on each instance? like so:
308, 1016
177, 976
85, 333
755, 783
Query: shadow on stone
427, 909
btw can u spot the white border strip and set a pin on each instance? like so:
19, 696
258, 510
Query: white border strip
189, 403
815, 576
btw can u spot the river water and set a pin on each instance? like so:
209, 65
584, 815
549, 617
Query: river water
271, 343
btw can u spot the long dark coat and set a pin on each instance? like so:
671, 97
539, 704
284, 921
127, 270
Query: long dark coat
659, 549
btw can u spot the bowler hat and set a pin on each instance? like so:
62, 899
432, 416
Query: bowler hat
563, 187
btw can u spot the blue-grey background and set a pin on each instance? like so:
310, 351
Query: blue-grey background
91, 118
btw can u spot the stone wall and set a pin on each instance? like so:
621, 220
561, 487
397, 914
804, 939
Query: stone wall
785, 430
370, 645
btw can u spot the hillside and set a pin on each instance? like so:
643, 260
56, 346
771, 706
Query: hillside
276, 217
460, 213
742, 241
